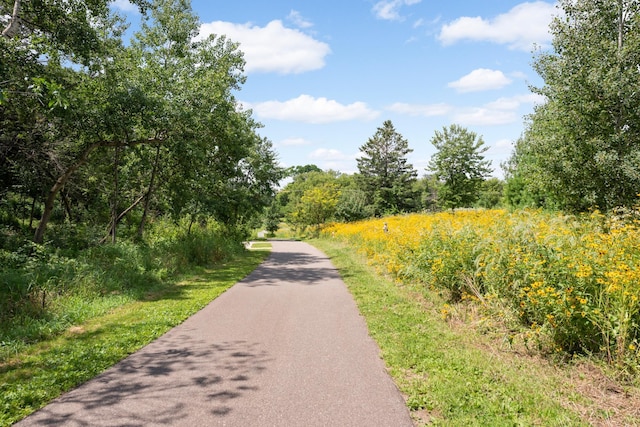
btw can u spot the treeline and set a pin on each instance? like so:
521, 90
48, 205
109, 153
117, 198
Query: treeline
102, 134
386, 184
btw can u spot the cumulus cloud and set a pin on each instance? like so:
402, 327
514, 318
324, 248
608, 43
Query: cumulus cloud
499, 112
481, 79
425, 110
308, 109
514, 102
298, 20
482, 116
328, 154
272, 48
390, 9
520, 28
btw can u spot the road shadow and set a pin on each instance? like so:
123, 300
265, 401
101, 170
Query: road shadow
168, 383
291, 268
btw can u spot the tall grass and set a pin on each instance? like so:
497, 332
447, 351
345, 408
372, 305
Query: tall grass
573, 282
43, 290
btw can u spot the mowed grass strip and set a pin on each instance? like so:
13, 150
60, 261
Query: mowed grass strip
449, 376
45, 370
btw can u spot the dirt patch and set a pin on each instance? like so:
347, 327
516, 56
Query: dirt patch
77, 330
604, 402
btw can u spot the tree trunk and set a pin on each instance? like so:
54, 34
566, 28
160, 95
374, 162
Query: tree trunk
67, 205
114, 206
620, 25
33, 210
119, 218
147, 197
12, 28
62, 179
53, 192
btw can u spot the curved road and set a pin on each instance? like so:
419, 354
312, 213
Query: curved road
286, 346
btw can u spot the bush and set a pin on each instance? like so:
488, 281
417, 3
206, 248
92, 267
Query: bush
574, 279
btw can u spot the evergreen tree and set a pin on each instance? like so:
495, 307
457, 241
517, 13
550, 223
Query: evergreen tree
385, 175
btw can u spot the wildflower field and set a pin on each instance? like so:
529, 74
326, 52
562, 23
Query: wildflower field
572, 282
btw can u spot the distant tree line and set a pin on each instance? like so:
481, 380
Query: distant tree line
387, 184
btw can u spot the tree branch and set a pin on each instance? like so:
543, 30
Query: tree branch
12, 28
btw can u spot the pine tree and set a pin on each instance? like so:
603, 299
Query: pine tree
385, 174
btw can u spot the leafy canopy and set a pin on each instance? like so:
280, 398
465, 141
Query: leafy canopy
459, 164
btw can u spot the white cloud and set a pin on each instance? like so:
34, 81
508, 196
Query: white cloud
514, 102
308, 109
428, 110
296, 19
481, 79
390, 9
482, 116
520, 28
502, 146
294, 142
330, 158
329, 154
499, 112
273, 48
124, 6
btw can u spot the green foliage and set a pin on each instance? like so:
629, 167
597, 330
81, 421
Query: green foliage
385, 175
134, 129
580, 149
353, 205
491, 193
318, 204
44, 291
459, 165
298, 213
272, 218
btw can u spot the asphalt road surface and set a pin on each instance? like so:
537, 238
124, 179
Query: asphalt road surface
286, 346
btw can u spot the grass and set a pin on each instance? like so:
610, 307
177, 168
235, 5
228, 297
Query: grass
42, 371
459, 374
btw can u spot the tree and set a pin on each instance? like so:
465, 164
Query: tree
459, 165
129, 126
290, 197
297, 170
491, 193
272, 218
352, 204
385, 174
318, 204
581, 147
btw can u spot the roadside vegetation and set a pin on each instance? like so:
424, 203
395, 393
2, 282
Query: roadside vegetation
127, 166
103, 306
470, 362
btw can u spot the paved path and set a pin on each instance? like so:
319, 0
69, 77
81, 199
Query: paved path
284, 347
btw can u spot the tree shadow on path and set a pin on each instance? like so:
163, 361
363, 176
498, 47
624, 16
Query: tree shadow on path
171, 381
292, 268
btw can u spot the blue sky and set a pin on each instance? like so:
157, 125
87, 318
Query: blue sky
322, 76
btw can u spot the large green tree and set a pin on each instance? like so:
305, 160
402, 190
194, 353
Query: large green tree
153, 123
581, 147
386, 176
459, 165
